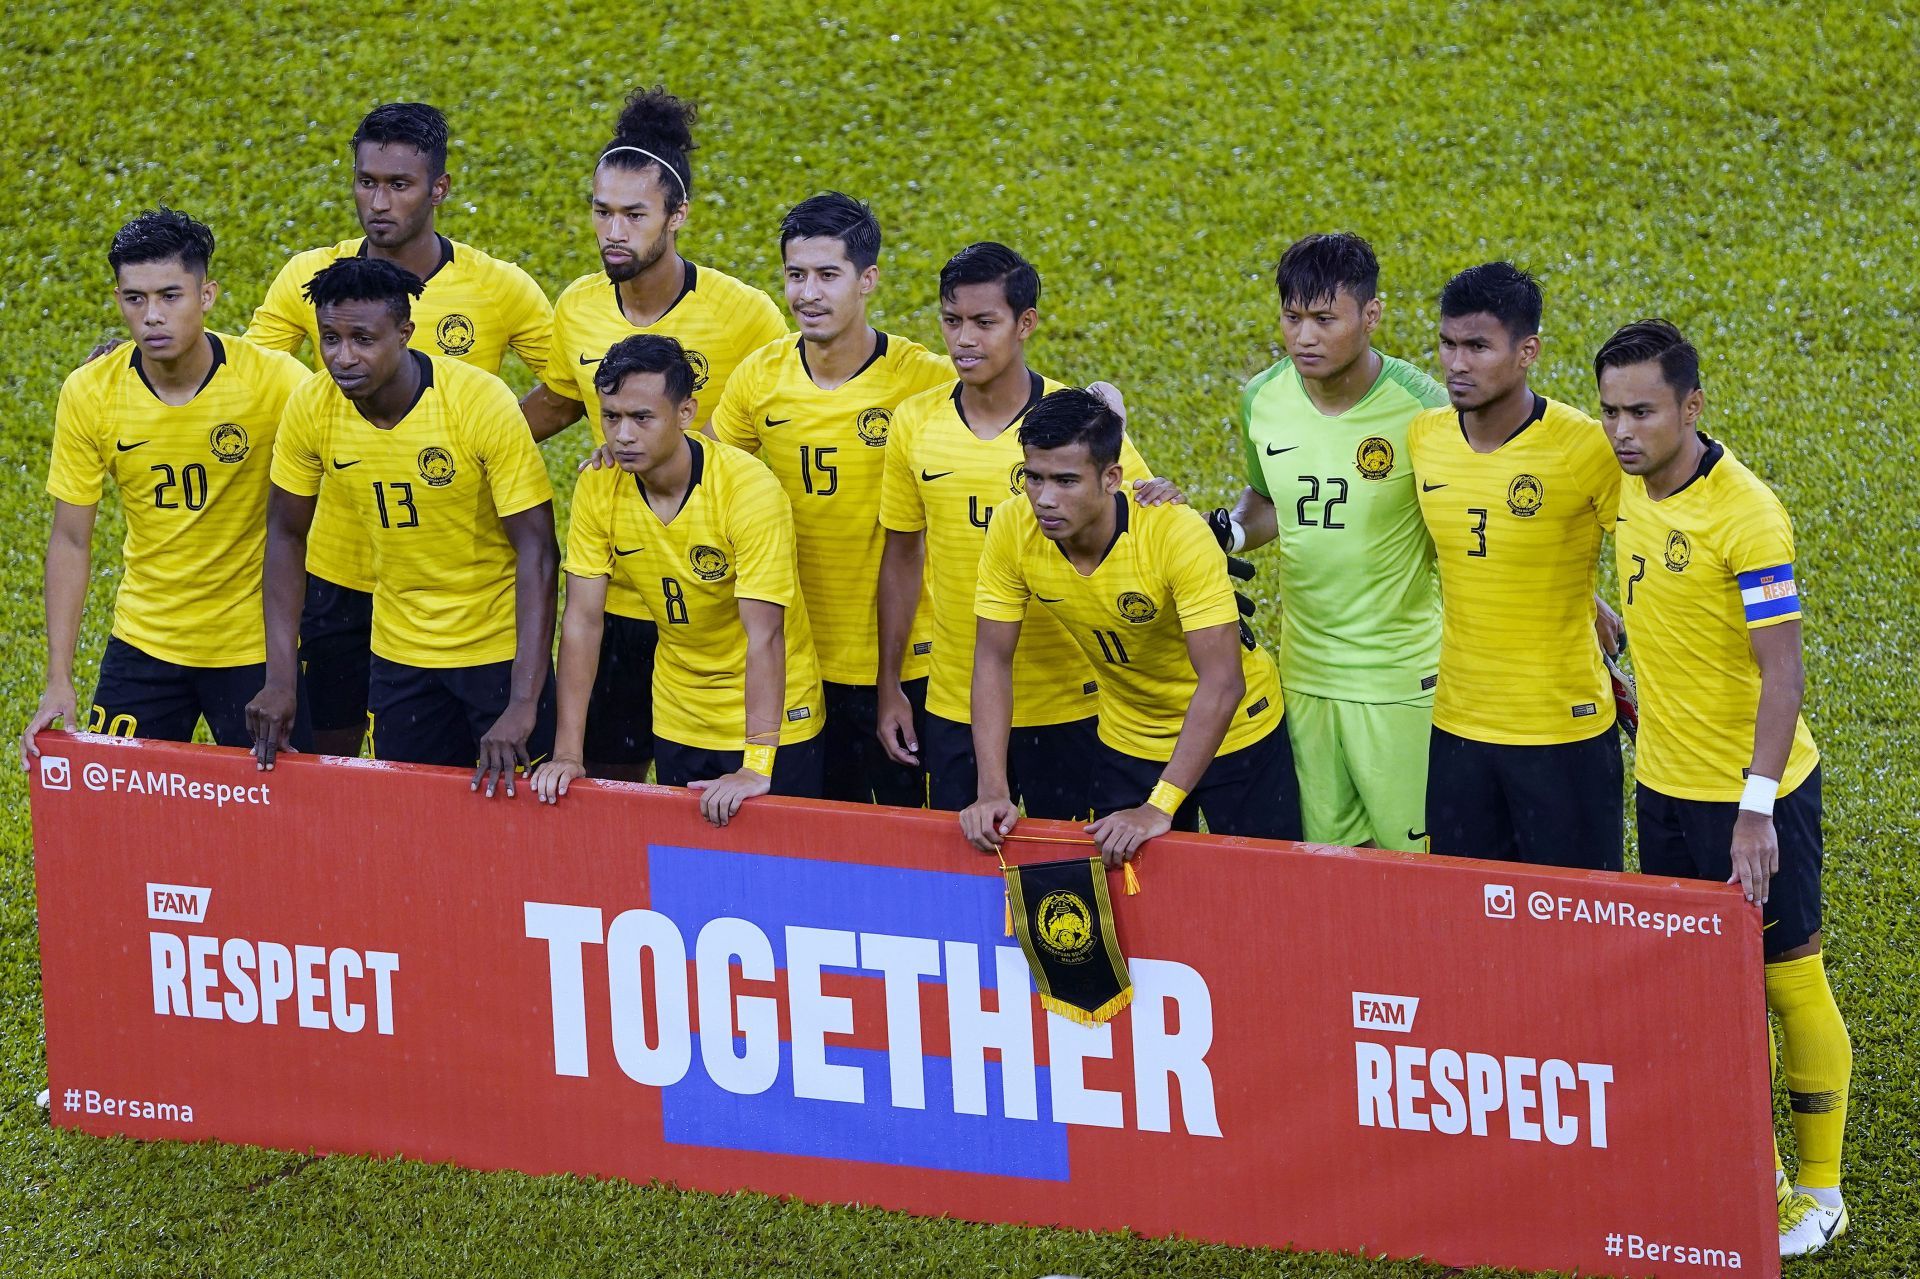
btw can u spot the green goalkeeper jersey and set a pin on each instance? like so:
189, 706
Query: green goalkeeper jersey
1359, 596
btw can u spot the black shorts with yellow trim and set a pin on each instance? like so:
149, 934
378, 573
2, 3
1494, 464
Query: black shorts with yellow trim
336, 636
140, 695
1251, 791
620, 708
1555, 804
1047, 767
797, 769
431, 715
1693, 839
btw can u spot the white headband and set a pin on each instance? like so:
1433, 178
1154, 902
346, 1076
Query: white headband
651, 156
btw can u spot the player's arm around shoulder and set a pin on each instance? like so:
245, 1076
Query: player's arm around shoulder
531, 335
281, 321
735, 418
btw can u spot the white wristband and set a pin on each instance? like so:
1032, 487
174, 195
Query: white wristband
1759, 795
1239, 540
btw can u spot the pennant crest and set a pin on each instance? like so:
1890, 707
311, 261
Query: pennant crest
1064, 920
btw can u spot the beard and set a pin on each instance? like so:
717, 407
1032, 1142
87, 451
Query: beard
641, 260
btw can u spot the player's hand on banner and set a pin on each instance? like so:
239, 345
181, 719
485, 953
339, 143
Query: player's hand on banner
55, 704
987, 822
597, 460
1110, 393
1611, 631
721, 798
1158, 491
550, 780
1242, 571
893, 724
504, 748
1756, 855
1119, 836
270, 720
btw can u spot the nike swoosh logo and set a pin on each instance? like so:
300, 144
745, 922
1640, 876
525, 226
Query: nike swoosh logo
584, 361
930, 476
778, 421
338, 465
1428, 488
1044, 600
128, 448
635, 551
1413, 834
1274, 452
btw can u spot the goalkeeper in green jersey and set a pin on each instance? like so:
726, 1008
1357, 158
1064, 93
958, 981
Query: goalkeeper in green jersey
1328, 478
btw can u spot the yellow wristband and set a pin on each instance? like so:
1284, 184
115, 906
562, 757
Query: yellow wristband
758, 759
1166, 797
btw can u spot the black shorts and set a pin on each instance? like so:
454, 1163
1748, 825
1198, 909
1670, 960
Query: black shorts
1555, 805
140, 695
620, 709
336, 630
1251, 791
427, 715
1693, 839
859, 770
796, 768
1049, 767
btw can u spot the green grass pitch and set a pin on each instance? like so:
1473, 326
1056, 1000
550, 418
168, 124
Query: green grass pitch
1745, 169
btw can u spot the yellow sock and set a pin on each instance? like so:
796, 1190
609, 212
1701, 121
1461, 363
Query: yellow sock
1773, 1071
1818, 1062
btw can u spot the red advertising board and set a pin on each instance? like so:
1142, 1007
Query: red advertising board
1465, 1061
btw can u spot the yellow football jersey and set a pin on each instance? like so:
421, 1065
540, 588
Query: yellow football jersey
430, 493
718, 319
193, 486
943, 478
1163, 576
1699, 569
475, 308
1517, 533
732, 539
828, 449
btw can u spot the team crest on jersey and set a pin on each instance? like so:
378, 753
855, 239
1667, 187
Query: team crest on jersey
455, 334
872, 426
229, 442
1063, 927
1017, 479
709, 563
699, 363
1525, 495
1374, 458
436, 467
1679, 551
1136, 607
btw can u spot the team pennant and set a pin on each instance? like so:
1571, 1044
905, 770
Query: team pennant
1064, 920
